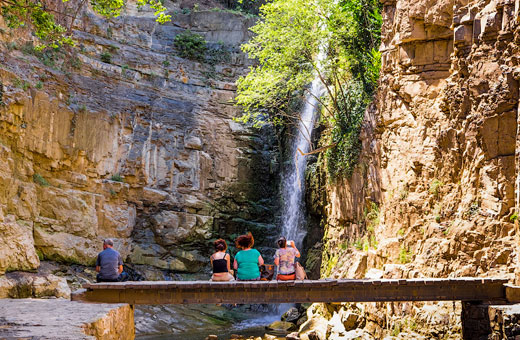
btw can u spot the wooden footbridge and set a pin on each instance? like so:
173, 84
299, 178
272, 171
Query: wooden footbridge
200, 292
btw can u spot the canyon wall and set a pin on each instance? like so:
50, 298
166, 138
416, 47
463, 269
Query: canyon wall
436, 190
120, 137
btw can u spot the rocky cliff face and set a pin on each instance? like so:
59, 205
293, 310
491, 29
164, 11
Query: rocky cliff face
122, 138
436, 190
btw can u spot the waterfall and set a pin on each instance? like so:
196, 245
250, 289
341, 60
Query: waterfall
293, 181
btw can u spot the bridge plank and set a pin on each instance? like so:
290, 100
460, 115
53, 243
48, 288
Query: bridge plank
175, 292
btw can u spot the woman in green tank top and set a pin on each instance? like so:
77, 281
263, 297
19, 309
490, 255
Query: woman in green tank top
248, 260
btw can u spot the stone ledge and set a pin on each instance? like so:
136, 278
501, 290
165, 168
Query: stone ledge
60, 319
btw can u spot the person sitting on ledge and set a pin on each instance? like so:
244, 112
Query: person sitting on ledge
220, 262
109, 264
248, 260
284, 259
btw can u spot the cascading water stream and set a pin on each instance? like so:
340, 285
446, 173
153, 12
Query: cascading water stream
293, 182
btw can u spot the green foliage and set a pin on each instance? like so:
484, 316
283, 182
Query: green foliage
28, 48
286, 44
21, 13
34, 14
405, 255
106, 57
244, 6
346, 127
237, 10
40, 254
50, 56
124, 69
75, 63
12, 46
359, 31
108, 8
116, 178
373, 242
437, 212
37, 178
39, 85
396, 329
400, 232
24, 85
358, 244
160, 10
372, 218
330, 264
513, 217
435, 187
218, 54
190, 45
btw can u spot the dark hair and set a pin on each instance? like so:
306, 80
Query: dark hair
220, 244
282, 242
245, 241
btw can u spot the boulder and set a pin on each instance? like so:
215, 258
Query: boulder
292, 336
292, 315
176, 260
358, 265
171, 227
193, 143
282, 326
335, 327
65, 247
314, 329
17, 250
350, 320
21, 285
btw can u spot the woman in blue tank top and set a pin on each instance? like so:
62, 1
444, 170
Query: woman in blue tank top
248, 260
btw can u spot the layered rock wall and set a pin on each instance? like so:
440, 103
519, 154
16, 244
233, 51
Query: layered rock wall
122, 138
434, 192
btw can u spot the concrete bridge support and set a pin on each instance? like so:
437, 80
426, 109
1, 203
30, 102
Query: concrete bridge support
482, 321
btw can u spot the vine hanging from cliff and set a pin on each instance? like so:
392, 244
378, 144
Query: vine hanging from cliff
288, 40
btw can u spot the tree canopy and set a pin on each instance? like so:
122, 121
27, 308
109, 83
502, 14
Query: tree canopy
289, 37
48, 20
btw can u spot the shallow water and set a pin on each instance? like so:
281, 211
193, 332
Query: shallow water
198, 321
